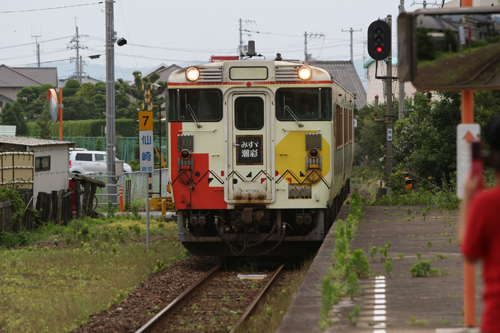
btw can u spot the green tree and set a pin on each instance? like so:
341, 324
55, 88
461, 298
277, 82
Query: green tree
79, 108
44, 122
71, 88
122, 102
87, 91
8, 115
14, 115
100, 97
32, 100
450, 41
136, 91
426, 49
22, 127
425, 141
370, 136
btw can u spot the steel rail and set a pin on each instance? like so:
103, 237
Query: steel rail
256, 300
156, 320
481, 71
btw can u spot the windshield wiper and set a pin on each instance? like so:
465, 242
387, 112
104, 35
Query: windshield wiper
191, 113
287, 108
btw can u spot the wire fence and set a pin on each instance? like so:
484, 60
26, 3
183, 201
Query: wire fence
135, 186
124, 146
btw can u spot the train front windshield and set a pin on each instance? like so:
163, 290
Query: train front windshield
305, 103
195, 105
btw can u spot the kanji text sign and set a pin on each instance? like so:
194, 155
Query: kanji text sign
146, 151
249, 149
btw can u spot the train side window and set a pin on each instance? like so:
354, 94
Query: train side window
249, 113
346, 128
204, 104
338, 130
351, 125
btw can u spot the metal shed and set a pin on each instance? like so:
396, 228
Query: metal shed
51, 167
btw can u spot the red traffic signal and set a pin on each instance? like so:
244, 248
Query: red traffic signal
379, 40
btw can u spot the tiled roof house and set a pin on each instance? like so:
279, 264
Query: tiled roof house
345, 73
13, 79
164, 71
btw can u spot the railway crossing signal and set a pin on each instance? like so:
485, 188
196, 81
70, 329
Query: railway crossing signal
148, 102
379, 40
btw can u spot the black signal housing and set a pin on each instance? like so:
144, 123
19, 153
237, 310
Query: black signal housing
379, 40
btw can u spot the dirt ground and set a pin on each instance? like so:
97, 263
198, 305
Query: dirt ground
412, 304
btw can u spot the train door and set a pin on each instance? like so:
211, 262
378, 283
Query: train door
249, 148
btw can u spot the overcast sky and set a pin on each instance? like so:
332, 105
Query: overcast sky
179, 31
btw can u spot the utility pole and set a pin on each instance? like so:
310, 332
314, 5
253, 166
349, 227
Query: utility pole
401, 113
312, 35
78, 68
388, 153
37, 45
351, 31
78, 46
110, 101
37, 50
241, 48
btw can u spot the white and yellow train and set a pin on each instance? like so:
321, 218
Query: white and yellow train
260, 155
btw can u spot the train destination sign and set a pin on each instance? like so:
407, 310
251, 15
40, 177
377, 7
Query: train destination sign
249, 149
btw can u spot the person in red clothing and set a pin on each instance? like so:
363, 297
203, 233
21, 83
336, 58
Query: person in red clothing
480, 231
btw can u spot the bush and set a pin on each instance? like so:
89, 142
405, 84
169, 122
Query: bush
420, 269
359, 264
478, 43
17, 208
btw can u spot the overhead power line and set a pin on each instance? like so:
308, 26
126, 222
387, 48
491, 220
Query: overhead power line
40, 9
42, 41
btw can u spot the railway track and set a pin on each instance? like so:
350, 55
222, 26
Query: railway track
216, 301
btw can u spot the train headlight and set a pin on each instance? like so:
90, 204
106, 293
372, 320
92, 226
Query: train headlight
313, 153
304, 73
193, 74
185, 154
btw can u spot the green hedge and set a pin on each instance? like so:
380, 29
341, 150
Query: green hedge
92, 128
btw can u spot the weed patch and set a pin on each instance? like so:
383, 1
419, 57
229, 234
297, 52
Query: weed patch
65, 273
343, 278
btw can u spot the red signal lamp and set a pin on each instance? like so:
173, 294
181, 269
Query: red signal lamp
379, 49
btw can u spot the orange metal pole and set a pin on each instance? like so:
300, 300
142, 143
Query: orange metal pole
60, 112
121, 199
469, 267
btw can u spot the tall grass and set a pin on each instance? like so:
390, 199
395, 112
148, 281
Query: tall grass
85, 268
349, 265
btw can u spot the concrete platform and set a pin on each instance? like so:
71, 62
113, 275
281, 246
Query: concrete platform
399, 302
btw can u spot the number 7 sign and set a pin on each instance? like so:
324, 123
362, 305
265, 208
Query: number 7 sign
145, 121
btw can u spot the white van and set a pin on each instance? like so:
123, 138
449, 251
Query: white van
90, 162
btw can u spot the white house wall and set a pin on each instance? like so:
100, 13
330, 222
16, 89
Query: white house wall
57, 178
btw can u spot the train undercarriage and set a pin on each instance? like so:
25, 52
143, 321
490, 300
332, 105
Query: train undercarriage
256, 230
